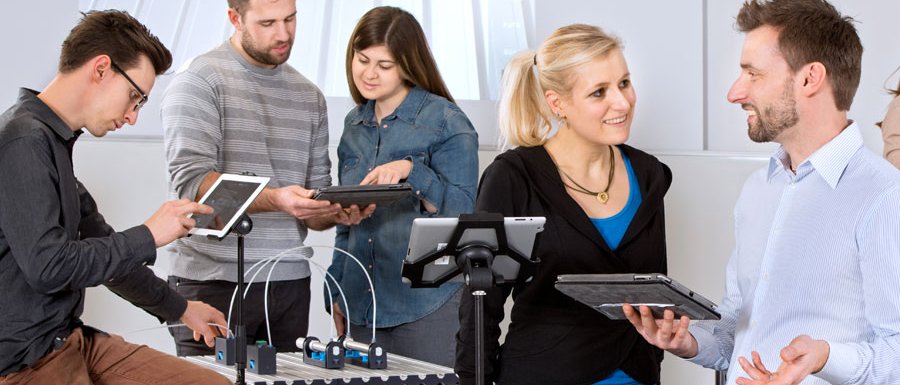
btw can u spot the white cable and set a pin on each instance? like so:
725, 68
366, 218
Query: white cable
234, 293
325, 276
371, 287
368, 278
331, 330
228, 332
281, 255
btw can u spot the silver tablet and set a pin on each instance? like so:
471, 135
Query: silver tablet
607, 293
432, 234
229, 197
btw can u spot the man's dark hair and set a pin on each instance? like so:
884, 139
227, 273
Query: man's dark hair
811, 31
240, 6
114, 33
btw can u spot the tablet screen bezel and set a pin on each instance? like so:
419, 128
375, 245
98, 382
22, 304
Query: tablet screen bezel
259, 181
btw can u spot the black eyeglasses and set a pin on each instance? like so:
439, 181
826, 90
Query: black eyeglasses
141, 94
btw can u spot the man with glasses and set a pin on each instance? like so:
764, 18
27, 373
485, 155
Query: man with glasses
138, 96
54, 243
241, 108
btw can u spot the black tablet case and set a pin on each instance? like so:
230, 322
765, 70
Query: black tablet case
606, 292
363, 195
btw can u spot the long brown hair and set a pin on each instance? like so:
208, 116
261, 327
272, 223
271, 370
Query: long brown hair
399, 31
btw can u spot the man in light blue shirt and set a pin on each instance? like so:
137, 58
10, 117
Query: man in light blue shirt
812, 283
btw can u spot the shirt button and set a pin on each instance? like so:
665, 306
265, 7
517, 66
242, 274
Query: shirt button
370, 240
370, 266
384, 126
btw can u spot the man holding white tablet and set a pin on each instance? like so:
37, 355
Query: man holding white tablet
54, 243
240, 108
811, 287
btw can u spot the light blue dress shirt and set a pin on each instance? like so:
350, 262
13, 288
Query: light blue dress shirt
816, 253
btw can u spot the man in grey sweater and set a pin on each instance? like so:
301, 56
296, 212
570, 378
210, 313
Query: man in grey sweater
240, 108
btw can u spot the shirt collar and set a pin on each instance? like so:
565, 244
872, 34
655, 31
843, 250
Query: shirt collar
408, 110
829, 161
29, 100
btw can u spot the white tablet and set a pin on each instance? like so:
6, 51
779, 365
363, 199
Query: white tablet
229, 197
432, 234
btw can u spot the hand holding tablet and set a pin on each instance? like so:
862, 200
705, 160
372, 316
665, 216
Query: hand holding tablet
171, 221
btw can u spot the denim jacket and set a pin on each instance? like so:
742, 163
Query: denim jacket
440, 141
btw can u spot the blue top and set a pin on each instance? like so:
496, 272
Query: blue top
440, 141
618, 378
612, 229
816, 253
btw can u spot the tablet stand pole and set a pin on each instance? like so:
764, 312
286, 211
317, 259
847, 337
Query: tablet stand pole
476, 265
242, 227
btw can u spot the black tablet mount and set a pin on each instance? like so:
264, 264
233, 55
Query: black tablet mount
474, 261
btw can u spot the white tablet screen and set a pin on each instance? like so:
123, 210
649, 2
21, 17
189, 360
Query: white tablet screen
228, 197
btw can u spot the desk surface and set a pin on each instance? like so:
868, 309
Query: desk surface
292, 371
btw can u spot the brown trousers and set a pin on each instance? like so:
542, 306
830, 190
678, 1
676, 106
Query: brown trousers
102, 359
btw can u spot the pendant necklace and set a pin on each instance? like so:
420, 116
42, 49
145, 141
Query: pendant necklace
602, 196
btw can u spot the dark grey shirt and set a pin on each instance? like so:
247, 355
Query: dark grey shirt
54, 243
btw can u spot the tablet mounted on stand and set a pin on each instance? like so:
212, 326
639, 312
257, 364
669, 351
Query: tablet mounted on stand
485, 248
230, 197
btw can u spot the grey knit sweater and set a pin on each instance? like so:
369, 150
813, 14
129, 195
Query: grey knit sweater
224, 114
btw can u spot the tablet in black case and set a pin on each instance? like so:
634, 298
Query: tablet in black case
607, 293
363, 195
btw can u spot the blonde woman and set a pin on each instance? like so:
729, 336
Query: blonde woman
603, 201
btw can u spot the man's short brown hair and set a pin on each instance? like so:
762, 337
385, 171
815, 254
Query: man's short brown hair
811, 31
114, 33
240, 6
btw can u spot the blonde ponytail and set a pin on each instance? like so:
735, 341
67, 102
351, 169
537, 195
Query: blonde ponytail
525, 118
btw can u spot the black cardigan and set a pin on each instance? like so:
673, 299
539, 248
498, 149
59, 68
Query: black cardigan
553, 339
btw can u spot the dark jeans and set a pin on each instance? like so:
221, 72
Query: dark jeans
102, 359
431, 338
288, 312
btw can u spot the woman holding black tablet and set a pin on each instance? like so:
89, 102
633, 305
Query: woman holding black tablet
405, 128
568, 108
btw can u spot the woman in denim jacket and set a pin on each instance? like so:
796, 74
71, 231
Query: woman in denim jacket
405, 127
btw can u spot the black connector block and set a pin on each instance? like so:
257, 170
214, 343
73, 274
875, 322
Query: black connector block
261, 358
225, 352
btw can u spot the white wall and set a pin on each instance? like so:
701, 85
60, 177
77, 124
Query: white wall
32, 62
683, 56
